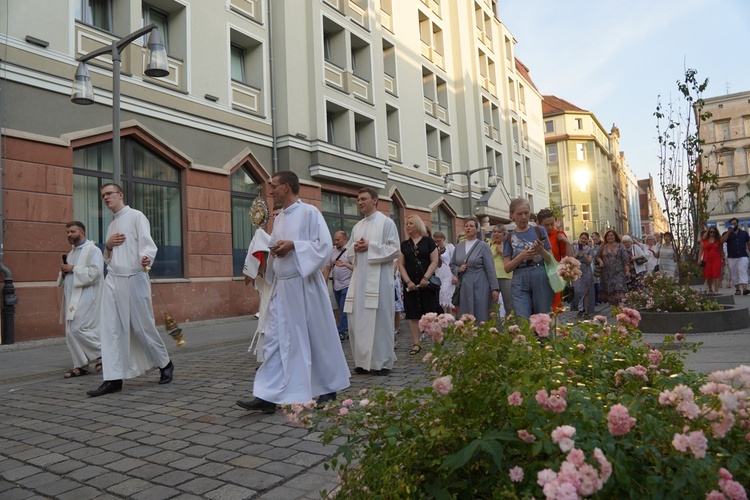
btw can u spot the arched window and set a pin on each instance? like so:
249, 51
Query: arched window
244, 189
149, 184
442, 220
396, 217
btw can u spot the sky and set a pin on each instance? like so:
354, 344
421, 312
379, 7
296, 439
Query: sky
615, 58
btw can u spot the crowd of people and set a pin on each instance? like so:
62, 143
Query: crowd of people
376, 278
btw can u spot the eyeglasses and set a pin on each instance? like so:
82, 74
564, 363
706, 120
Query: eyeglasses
109, 193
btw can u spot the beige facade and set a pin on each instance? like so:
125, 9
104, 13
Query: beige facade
726, 151
398, 95
652, 215
581, 168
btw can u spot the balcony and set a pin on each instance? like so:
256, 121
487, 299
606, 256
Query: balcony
527, 181
386, 20
495, 134
389, 83
432, 164
334, 76
429, 106
357, 14
359, 87
487, 129
441, 113
394, 151
246, 8
444, 167
424, 49
246, 98
525, 143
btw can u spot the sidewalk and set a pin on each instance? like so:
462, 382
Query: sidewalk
188, 439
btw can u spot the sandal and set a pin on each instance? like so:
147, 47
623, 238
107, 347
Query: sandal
737, 292
76, 372
415, 350
98, 366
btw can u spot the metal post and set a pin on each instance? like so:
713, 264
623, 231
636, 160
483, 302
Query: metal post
116, 60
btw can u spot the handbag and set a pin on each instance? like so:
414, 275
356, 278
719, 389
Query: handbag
640, 260
433, 282
456, 298
555, 280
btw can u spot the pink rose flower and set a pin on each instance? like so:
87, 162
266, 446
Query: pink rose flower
540, 324
525, 436
514, 329
346, 402
576, 457
427, 357
732, 489
364, 402
545, 476
679, 336
343, 411
655, 356
516, 474
515, 399
619, 420
443, 385
715, 495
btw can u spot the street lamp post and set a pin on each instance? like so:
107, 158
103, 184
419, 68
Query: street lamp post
573, 215
448, 187
83, 92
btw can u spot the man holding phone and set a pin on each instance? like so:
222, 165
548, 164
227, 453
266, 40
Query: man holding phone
738, 244
81, 279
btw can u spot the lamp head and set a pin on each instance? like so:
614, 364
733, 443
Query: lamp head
83, 92
575, 210
492, 181
157, 66
447, 187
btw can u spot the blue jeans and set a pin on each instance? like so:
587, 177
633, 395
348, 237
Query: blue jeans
340, 297
531, 291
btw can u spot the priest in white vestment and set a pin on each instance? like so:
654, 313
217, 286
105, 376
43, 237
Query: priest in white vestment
302, 352
81, 278
371, 302
131, 344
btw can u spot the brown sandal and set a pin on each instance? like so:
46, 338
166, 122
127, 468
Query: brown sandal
98, 366
416, 348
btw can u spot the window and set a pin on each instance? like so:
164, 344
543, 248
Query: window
746, 124
243, 191
552, 153
364, 135
586, 212
554, 183
340, 212
238, 63
722, 131
578, 124
441, 220
396, 217
97, 13
581, 151
549, 127
160, 19
330, 127
726, 164
327, 52
149, 184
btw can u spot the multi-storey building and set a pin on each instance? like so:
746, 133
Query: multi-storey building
581, 173
410, 97
726, 152
652, 215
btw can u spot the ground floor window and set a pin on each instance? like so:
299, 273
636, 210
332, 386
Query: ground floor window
244, 190
441, 220
149, 184
340, 212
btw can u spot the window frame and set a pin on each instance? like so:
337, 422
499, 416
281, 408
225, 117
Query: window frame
147, 11
341, 216
238, 257
235, 49
437, 224
84, 13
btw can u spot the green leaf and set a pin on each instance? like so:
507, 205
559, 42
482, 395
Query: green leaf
495, 450
458, 460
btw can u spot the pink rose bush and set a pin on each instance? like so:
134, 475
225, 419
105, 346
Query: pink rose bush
569, 268
537, 410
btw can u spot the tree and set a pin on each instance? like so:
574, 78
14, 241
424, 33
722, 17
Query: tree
685, 185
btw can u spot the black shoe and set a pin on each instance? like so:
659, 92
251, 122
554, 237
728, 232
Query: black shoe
166, 373
258, 404
361, 371
343, 337
383, 372
107, 387
745, 291
326, 398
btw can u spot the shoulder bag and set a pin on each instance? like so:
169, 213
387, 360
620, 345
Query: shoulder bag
433, 282
555, 280
457, 291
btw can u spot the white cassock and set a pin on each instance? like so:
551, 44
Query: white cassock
131, 344
255, 267
371, 302
82, 295
302, 350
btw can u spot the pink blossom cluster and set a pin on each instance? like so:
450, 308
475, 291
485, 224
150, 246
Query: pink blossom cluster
514, 329
635, 371
619, 420
526, 436
655, 357
576, 478
435, 325
563, 437
299, 414
516, 474
696, 442
569, 268
730, 489
443, 385
540, 324
555, 401
519, 339
600, 319
515, 399
629, 316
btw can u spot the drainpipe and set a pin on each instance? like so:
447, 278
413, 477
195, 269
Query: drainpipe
274, 158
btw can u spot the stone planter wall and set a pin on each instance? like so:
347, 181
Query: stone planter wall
731, 318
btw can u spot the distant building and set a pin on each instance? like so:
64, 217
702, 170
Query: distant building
411, 97
582, 168
726, 151
651, 214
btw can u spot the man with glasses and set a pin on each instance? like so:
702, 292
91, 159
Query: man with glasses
131, 344
302, 354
